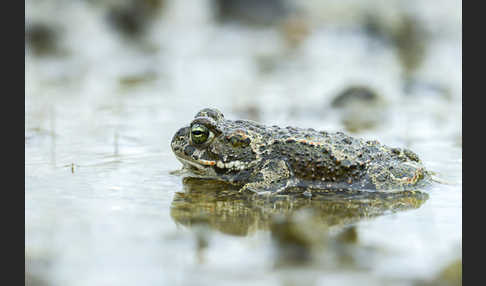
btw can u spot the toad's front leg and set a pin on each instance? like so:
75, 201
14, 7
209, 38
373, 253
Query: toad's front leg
272, 177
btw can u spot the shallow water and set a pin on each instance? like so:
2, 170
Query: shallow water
101, 204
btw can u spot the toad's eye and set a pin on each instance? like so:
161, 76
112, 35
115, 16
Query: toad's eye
199, 134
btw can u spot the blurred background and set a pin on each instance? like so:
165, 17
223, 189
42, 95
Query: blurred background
108, 83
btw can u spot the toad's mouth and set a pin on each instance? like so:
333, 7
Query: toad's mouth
200, 164
197, 167
208, 167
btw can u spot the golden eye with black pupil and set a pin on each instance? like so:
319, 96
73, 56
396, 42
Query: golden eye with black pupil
199, 134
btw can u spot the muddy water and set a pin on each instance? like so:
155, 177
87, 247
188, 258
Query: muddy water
101, 204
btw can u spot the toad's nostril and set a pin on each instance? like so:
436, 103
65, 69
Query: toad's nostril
181, 133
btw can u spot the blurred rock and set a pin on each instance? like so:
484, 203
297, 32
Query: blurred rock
251, 12
360, 108
410, 41
295, 30
405, 33
42, 38
360, 94
375, 29
132, 18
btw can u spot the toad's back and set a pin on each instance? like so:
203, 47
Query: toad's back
339, 160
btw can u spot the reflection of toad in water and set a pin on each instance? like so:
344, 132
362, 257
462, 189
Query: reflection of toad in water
299, 225
222, 207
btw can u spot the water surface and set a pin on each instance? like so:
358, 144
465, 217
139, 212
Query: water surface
101, 204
